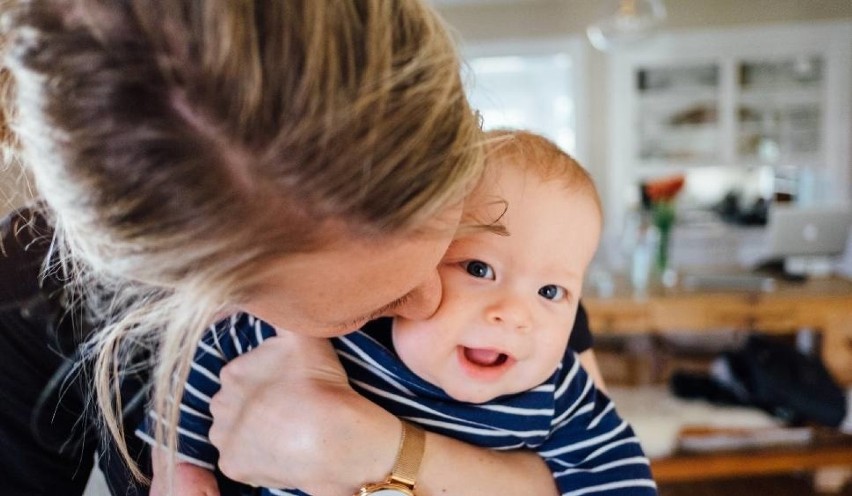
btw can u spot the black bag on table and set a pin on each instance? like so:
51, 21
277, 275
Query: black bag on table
772, 375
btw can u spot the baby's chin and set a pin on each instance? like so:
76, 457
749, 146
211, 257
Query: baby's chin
477, 396
485, 392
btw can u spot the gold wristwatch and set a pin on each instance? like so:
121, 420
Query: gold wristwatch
402, 478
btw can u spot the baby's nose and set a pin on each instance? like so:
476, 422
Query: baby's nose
510, 312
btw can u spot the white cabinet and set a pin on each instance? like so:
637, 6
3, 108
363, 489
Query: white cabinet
677, 108
779, 104
736, 108
774, 108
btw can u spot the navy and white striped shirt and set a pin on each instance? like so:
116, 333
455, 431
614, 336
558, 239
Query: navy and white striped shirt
566, 420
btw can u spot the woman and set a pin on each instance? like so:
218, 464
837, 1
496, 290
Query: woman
304, 161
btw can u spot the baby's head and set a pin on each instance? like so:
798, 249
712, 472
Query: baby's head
511, 287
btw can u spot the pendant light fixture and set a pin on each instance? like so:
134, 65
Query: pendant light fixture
626, 22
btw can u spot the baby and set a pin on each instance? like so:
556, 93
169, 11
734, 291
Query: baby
492, 366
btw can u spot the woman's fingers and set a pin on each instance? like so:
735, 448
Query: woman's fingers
285, 414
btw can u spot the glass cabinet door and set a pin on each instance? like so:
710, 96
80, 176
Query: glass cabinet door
678, 114
779, 110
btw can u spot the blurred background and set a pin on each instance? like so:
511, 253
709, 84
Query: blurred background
718, 133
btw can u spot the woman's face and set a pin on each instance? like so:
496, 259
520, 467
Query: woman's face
351, 280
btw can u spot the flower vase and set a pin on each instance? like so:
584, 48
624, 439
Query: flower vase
663, 218
663, 248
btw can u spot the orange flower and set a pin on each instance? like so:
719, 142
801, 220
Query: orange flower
665, 189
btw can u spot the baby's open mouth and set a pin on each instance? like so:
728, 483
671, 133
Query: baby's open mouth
485, 357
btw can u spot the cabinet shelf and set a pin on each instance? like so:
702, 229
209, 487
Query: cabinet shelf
782, 96
678, 97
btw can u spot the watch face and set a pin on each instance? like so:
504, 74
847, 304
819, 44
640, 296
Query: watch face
389, 492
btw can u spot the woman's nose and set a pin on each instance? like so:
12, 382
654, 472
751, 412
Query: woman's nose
423, 301
510, 311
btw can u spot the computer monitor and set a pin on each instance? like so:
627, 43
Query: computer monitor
807, 237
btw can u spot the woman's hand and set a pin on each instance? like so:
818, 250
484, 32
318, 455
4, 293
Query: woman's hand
187, 479
286, 417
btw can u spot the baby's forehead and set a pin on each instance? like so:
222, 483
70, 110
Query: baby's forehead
489, 219
507, 177
534, 171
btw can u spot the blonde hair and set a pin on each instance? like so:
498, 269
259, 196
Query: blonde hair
539, 155
180, 145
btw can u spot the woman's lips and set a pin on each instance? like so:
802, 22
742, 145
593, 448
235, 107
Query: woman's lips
484, 363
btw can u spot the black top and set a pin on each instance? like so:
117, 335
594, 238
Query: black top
581, 336
25, 240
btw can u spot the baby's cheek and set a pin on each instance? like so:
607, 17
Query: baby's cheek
411, 337
548, 361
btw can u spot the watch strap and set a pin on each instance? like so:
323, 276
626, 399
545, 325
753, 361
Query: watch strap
412, 444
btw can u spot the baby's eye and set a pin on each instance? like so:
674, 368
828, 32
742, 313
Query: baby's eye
479, 269
552, 292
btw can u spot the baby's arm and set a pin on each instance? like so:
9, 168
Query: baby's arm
590, 447
188, 479
228, 340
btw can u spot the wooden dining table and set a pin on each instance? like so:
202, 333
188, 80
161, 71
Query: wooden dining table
822, 306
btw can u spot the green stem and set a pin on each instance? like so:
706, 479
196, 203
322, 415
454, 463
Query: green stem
663, 248
664, 217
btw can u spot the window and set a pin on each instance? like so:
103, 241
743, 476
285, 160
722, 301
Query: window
532, 86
